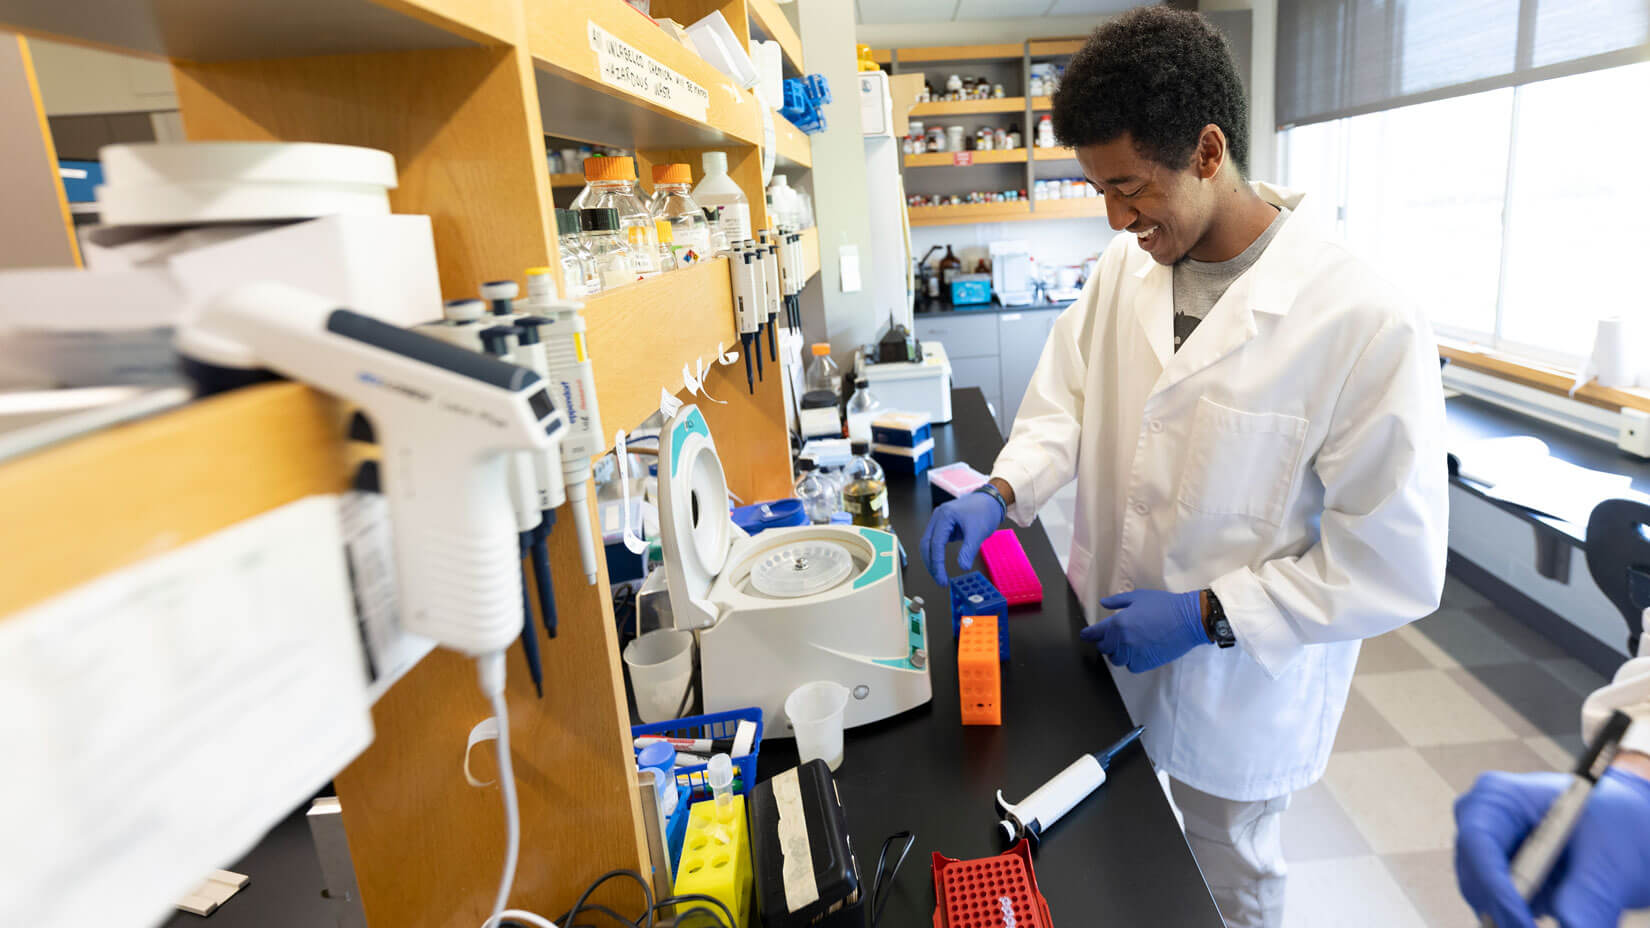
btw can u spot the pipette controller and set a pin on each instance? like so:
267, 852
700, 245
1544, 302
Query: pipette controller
1535, 858
446, 419
573, 378
1039, 811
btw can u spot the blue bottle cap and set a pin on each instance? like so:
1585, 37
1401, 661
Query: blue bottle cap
657, 756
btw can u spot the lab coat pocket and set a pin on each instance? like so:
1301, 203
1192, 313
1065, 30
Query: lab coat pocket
1241, 463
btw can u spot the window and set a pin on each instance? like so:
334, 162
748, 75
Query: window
1515, 215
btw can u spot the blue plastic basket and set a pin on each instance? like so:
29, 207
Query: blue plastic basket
714, 725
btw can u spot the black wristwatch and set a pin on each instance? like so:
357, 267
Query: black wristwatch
995, 494
1215, 623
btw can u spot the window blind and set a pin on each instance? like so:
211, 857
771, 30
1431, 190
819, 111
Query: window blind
1338, 58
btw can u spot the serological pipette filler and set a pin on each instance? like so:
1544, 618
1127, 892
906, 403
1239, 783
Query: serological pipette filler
563, 358
446, 419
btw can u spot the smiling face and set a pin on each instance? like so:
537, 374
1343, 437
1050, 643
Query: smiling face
1169, 211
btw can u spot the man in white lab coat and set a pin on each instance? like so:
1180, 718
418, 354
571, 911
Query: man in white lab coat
1253, 416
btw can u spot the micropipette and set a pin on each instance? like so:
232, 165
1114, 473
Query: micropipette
573, 378
547, 476
524, 498
1037, 812
499, 294
739, 264
759, 297
1541, 849
770, 264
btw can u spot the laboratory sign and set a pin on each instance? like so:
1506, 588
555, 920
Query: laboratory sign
628, 69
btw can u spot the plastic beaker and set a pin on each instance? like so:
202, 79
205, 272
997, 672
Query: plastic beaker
661, 669
815, 710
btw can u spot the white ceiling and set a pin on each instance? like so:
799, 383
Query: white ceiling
882, 12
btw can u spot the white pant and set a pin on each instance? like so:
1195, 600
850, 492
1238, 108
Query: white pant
1239, 848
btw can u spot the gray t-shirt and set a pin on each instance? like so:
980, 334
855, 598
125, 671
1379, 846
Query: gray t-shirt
1199, 285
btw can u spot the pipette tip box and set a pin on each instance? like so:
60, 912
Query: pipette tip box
973, 594
901, 429
1010, 569
900, 459
972, 893
953, 481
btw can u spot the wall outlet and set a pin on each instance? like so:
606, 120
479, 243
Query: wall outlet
1634, 434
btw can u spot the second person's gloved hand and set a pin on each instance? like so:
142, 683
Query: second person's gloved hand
971, 519
1604, 871
1151, 629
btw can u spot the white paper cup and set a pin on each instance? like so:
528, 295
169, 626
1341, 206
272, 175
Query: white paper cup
661, 668
815, 710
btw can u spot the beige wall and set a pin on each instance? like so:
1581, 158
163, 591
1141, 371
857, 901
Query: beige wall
975, 31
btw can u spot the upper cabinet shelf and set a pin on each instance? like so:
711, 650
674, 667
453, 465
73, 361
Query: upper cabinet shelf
768, 21
971, 107
244, 29
571, 40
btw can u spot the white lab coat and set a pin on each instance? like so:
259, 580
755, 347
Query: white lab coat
1290, 456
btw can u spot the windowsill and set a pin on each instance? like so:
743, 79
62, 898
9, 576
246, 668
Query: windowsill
1547, 378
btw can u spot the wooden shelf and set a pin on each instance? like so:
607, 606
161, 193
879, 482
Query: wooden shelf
643, 333
1055, 154
1039, 104
768, 21
882, 55
970, 107
961, 53
810, 254
948, 159
1046, 48
567, 180
1069, 209
575, 103
791, 146
1548, 379
970, 212
246, 29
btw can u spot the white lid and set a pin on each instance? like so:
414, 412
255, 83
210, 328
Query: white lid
194, 204
714, 162
695, 529
264, 162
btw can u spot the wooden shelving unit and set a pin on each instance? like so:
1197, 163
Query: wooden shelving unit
810, 254
970, 107
768, 21
957, 53
1013, 211
463, 94
790, 144
1055, 154
1069, 209
948, 159
1042, 104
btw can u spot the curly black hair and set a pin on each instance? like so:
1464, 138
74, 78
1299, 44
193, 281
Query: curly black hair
1160, 75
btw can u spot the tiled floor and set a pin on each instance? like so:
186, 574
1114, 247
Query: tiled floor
1433, 704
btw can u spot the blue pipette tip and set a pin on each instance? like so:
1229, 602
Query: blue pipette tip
530, 641
759, 373
539, 553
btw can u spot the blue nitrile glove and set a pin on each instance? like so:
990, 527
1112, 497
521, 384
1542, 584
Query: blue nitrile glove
1604, 871
1152, 629
971, 518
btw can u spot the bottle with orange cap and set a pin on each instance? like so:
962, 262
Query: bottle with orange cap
673, 202
610, 183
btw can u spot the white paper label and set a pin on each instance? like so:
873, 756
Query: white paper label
160, 719
628, 69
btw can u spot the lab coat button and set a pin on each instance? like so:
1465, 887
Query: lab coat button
1142, 508
1156, 425
1128, 587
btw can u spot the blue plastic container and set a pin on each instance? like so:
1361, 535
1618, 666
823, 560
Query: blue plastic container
779, 513
714, 725
676, 827
970, 289
973, 594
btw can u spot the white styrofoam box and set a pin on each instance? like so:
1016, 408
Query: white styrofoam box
715, 42
159, 183
111, 324
922, 387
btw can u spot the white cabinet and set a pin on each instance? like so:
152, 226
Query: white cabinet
995, 351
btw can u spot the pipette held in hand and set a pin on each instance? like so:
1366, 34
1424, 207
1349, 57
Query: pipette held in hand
1037, 812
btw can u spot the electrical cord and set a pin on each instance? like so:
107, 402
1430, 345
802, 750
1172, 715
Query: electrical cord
579, 907
698, 897
490, 671
879, 897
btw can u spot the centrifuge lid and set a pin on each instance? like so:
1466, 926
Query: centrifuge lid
695, 528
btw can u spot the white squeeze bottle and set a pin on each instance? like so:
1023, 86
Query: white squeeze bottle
718, 189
